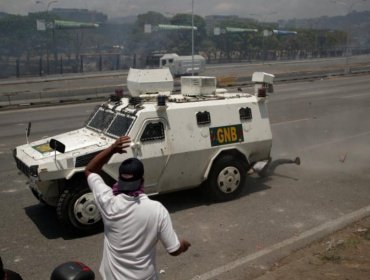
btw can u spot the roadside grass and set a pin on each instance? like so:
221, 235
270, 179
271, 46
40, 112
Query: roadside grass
334, 248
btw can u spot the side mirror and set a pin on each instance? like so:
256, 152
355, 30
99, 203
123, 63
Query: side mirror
57, 146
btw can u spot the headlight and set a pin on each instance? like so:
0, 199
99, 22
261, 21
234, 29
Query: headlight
34, 170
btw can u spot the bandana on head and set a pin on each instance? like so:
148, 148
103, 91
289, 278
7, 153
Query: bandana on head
135, 193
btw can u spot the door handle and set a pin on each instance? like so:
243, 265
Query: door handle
135, 146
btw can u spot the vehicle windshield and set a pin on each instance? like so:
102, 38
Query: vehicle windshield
110, 123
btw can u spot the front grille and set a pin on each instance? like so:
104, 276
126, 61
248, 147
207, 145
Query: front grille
85, 159
26, 170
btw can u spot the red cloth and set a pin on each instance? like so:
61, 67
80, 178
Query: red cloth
138, 192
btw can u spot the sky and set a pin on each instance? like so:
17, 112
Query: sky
264, 10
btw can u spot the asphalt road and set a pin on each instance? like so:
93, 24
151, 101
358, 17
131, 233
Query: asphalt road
325, 123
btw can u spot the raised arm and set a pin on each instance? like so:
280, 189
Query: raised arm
96, 164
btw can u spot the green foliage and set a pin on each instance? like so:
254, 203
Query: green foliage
241, 44
153, 18
19, 37
181, 40
145, 43
331, 258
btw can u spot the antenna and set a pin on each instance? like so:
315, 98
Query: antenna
28, 131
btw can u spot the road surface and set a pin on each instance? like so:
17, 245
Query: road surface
324, 122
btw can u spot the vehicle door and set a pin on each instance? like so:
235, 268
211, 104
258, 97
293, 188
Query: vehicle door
151, 146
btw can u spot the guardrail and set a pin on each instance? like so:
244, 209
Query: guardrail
27, 98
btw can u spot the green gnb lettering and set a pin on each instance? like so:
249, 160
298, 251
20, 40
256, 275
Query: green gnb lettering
223, 135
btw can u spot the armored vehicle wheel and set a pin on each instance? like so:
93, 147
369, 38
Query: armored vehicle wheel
37, 196
226, 178
77, 211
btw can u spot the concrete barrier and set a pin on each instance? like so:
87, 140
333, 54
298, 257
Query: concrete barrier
24, 98
13, 99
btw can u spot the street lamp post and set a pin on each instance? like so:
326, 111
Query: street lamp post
49, 3
53, 34
192, 37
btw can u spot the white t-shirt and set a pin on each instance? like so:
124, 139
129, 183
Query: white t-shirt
132, 227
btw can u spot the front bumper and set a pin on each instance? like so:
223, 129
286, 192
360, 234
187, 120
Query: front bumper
29, 171
45, 191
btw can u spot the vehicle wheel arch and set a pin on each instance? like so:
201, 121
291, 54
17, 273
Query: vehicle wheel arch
234, 152
80, 178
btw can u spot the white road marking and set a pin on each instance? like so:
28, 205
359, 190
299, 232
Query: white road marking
355, 95
305, 237
336, 141
9, 191
292, 121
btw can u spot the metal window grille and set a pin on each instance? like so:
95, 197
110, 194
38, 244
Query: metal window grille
245, 113
203, 117
153, 131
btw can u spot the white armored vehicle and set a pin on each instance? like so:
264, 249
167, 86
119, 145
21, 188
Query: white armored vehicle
183, 65
203, 136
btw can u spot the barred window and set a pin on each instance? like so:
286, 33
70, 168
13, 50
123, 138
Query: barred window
245, 113
203, 117
153, 131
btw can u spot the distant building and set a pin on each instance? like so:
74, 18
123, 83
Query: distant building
220, 17
2, 14
83, 15
123, 20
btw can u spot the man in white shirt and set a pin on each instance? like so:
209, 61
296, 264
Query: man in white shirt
133, 223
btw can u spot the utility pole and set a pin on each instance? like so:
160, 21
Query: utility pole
192, 37
53, 36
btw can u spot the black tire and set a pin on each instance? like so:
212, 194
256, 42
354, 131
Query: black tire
77, 211
37, 196
226, 178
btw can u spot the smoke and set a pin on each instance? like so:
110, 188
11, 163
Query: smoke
268, 10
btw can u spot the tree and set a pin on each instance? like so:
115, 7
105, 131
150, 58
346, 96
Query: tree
146, 43
153, 18
237, 44
181, 39
19, 35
